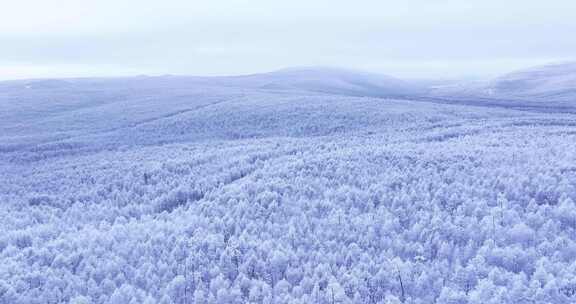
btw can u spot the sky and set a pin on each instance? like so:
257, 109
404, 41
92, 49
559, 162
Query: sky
403, 38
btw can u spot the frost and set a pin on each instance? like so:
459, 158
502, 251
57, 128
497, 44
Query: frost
178, 190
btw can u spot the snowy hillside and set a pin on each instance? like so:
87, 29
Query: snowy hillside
550, 82
280, 188
332, 81
554, 83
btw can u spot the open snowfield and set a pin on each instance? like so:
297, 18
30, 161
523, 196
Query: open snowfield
247, 190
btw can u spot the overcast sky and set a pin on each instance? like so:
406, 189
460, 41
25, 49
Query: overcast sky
404, 38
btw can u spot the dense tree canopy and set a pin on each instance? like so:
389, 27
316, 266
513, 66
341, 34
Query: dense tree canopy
371, 201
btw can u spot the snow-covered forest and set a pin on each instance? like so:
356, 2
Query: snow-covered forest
265, 189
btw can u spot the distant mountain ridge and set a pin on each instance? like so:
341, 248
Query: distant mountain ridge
555, 81
333, 81
318, 80
552, 83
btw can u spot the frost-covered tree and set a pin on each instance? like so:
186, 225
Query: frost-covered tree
277, 197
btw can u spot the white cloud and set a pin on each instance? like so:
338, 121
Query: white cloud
235, 36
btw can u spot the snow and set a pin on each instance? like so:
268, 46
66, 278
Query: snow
299, 186
550, 84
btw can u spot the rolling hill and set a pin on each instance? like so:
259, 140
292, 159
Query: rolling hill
297, 186
552, 84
